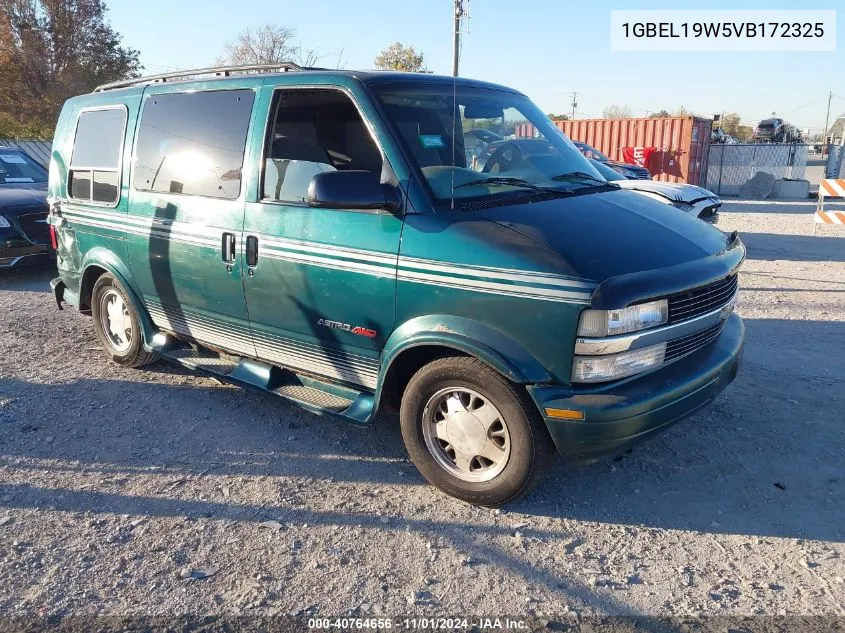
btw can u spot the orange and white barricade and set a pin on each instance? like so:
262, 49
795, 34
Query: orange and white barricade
829, 188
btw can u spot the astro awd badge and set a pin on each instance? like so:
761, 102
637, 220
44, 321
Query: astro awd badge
337, 325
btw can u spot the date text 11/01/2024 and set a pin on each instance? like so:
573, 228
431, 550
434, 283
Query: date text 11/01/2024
420, 623
723, 29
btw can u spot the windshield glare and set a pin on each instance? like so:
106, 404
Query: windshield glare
17, 168
463, 135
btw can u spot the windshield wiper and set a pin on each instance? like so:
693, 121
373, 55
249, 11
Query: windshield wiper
499, 180
573, 175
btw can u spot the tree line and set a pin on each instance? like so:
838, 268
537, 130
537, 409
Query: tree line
51, 50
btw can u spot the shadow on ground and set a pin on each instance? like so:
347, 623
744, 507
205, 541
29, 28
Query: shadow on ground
764, 459
28, 279
798, 248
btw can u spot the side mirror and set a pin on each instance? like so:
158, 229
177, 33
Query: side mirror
352, 190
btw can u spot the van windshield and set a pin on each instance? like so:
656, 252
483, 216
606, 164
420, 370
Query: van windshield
476, 143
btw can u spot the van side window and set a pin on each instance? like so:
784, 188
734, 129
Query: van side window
313, 131
193, 143
95, 161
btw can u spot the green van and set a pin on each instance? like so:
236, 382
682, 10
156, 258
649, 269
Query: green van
366, 242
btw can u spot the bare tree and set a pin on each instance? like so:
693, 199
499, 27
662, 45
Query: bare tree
398, 57
616, 112
268, 44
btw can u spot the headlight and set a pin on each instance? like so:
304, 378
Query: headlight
602, 368
4, 223
600, 323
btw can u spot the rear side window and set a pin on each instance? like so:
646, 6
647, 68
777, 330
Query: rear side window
95, 161
193, 143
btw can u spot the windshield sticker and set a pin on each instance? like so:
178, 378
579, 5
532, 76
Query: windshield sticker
19, 179
12, 158
432, 141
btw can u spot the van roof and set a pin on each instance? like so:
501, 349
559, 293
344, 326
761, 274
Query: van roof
229, 73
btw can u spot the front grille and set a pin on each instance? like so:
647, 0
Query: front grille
642, 174
702, 300
692, 342
34, 226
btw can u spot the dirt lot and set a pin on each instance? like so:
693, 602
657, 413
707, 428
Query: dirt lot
117, 486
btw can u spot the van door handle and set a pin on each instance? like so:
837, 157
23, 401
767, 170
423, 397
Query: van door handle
251, 250
227, 248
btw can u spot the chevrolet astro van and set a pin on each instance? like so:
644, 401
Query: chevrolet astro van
332, 237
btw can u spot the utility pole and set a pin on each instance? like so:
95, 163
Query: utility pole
456, 50
826, 120
574, 103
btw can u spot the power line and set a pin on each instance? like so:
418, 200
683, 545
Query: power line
806, 105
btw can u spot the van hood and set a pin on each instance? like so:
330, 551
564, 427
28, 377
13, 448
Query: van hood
599, 236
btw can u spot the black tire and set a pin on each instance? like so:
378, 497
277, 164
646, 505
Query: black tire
530, 444
134, 355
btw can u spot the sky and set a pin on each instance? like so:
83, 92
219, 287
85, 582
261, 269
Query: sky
547, 49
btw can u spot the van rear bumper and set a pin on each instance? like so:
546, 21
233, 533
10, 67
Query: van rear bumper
620, 415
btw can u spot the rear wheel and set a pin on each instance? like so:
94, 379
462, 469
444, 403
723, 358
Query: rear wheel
472, 433
117, 324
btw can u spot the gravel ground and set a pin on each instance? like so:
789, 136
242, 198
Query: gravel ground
160, 492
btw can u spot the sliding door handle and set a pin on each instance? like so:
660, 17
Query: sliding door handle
227, 248
251, 250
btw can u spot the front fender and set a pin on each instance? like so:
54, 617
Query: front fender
106, 259
471, 337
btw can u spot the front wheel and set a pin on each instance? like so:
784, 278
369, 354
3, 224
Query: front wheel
116, 323
471, 433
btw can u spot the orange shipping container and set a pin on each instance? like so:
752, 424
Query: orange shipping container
681, 144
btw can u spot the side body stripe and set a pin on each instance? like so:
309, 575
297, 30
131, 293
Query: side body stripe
502, 281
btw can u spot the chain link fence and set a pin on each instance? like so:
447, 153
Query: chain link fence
731, 166
835, 166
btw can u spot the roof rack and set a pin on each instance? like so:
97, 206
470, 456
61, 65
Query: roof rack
214, 71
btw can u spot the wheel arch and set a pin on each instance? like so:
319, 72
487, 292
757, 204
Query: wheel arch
99, 261
423, 339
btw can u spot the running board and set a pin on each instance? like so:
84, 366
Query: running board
307, 392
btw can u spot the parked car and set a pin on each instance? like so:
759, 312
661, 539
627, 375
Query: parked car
626, 169
776, 130
697, 201
317, 234
24, 232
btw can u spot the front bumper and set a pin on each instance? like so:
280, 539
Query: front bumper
624, 413
17, 251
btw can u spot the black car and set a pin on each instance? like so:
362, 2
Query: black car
24, 232
776, 131
634, 172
